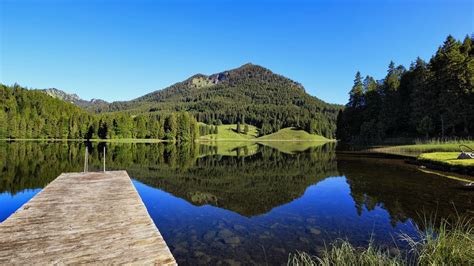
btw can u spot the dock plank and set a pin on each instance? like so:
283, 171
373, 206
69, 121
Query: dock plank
84, 218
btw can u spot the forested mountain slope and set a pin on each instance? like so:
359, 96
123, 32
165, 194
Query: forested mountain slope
249, 94
34, 114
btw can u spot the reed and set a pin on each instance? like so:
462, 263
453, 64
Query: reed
451, 242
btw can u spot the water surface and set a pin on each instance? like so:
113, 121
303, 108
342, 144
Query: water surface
249, 204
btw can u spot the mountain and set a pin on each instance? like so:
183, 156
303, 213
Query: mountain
249, 94
95, 105
59, 94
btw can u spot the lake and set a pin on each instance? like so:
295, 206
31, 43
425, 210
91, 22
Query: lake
249, 203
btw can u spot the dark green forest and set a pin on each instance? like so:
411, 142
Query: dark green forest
32, 114
427, 100
249, 94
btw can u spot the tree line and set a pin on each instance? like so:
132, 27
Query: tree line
31, 114
427, 100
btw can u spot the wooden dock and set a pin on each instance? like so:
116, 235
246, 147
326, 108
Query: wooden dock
93, 218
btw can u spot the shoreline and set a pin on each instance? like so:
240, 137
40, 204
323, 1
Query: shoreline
92, 140
163, 141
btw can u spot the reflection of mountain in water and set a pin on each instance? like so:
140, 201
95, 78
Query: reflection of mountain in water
257, 180
250, 185
405, 192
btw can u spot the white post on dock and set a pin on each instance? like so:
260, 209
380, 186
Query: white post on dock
104, 158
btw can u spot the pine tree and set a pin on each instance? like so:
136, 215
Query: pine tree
170, 126
265, 128
356, 95
422, 96
354, 107
183, 133
3, 123
390, 112
446, 67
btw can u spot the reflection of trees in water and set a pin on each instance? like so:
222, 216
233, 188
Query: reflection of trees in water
29, 165
249, 185
405, 192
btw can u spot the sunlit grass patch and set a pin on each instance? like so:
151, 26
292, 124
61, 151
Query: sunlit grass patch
229, 132
417, 149
292, 134
449, 158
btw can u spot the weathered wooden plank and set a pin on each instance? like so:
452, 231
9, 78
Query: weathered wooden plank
84, 218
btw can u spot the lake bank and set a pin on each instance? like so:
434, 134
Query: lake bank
436, 156
413, 150
447, 161
92, 140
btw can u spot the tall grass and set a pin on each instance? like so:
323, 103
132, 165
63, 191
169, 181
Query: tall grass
427, 146
342, 252
450, 140
449, 243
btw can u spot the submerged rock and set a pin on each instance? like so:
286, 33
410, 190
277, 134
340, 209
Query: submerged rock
209, 235
235, 240
203, 257
276, 225
239, 227
314, 231
303, 239
225, 233
232, 262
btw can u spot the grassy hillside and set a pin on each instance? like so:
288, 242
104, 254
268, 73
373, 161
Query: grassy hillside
229, 132
293, 135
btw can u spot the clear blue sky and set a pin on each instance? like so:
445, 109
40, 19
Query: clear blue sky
119, 50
